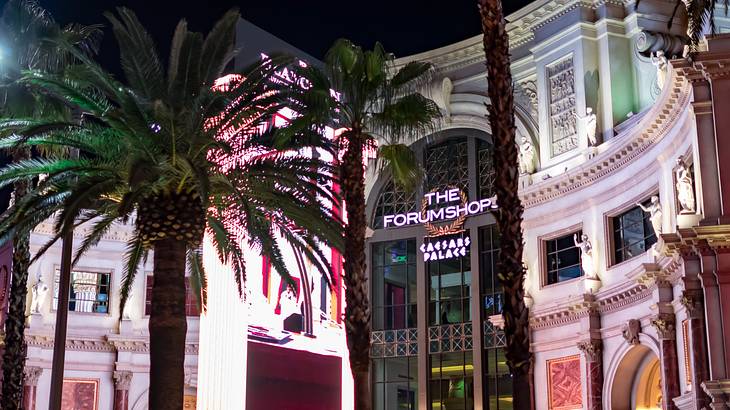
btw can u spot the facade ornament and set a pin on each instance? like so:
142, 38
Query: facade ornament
561, 80
122, 379
655, 211
589, 126
527, 156
664, 325
526, 96
586, 255
38, 292
441, 95
592, 348
631, 331
685, 188
691, 301
32, 374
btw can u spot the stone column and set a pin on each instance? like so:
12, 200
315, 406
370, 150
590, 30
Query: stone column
666, 331
593, 351
32, 373
692, 302
122, 380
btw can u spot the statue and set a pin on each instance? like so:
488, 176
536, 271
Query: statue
589, 121
586, 255
655, 212
38, 292
661, 63
685, 190
527, 156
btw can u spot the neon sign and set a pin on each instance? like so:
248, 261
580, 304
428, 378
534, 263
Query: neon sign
445, 249
430, 214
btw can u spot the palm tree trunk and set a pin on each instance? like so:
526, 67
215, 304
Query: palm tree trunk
15, 347
357, 308
509, 216
168, 326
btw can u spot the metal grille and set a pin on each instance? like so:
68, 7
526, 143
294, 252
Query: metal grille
448, 164
493, 336
393, 200
394, 343
486, 171
450, 338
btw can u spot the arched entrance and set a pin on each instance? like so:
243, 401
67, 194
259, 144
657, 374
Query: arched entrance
637, 381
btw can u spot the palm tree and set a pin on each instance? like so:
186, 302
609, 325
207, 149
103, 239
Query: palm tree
362, 92
25, 29
699, 14
177, 153
509, 217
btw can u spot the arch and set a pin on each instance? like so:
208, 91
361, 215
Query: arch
141, 402
632, 368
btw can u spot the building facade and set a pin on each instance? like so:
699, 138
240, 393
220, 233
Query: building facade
621, 160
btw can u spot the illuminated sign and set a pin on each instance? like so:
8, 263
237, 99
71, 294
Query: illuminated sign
445, 249
433, 213
443, 206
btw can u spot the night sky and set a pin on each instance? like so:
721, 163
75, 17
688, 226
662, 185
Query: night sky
404, 26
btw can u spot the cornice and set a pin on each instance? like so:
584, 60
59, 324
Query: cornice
109, 343
120, 234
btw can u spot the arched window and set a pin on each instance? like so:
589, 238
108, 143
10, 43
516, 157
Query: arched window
448, 164
393, 199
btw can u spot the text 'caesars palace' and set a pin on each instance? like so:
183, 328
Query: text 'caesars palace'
624, 150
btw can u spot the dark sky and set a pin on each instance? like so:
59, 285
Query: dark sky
404, 26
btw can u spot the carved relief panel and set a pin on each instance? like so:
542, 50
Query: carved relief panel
563, 131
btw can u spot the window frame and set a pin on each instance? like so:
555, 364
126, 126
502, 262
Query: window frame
104, 271
188, 290
543, 258
608, 226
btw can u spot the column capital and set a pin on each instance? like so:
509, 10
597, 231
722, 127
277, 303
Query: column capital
122, 379
592, 348
32, 374
692, 302
665, 326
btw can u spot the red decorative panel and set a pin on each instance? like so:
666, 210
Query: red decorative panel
564, 386
80, 394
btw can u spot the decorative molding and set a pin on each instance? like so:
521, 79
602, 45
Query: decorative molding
622, 150
110, 343
31, 375
526, 96
562, 104
119, 234
122, 379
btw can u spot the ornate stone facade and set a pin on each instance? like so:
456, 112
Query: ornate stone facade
561, 78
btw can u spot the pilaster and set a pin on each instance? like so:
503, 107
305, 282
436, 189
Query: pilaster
30, 386
122, 380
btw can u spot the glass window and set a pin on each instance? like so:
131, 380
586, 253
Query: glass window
451, 384
191, 302
89, 292
393, 200
394, 284
447, 164
563, 258
632, 233
450, 290
491, 291
395, 384
485, 171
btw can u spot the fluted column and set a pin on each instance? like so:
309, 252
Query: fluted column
32, 374
666, 331
122, 380
593, 353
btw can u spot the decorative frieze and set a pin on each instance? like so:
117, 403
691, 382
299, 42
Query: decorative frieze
526, 96
563, 131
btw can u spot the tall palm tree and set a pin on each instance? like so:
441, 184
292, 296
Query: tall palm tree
362, 92
509, 217
25, 33
700, 13
177, 153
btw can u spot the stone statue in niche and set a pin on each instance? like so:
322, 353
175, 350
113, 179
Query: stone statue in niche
38, 292
661, 63
631, 331
589, 125
586, 255
685, 189
527, 156
655, 212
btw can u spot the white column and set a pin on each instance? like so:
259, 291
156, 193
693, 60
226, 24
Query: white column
223, 339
